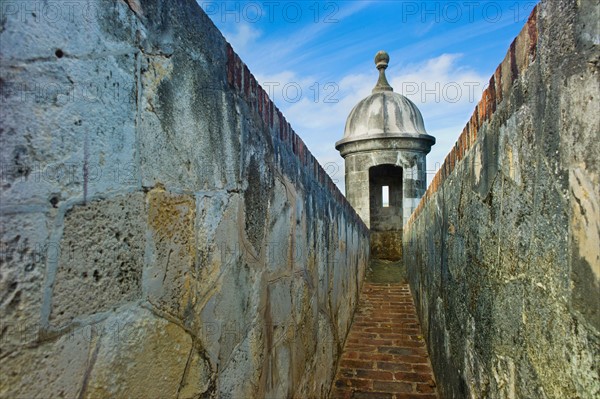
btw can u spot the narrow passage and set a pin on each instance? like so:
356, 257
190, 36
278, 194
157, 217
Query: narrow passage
385, 354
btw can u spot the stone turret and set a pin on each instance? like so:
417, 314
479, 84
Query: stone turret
384, 147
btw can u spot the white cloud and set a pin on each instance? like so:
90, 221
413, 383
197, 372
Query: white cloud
446, 93
242, 36
439, 84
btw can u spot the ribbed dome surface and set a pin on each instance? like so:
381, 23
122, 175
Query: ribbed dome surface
383, 112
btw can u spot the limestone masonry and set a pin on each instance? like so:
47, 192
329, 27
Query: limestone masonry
166, 234
179, 239
503, 253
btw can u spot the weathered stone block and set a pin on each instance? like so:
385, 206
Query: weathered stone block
39, 30
198, 379
257, 195
186, 114
100, 258
85, 130
171, 251
278, 241
147, 358
329, 351
218, 235
279, 308
244, 375
25, 250
229, 293
386, 245
53, 369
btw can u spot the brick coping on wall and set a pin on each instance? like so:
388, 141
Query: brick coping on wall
243, 82
521, 54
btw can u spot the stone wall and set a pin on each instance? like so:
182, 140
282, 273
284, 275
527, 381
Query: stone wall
503, 250
165, 233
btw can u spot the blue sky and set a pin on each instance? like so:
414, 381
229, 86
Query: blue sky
315, 59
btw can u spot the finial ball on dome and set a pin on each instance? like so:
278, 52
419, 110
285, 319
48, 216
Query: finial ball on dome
382, 59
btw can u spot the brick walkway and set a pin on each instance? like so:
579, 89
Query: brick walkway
385, 355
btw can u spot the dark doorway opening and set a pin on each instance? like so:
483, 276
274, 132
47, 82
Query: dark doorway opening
385, 198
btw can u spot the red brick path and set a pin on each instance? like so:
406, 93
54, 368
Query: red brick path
385, 355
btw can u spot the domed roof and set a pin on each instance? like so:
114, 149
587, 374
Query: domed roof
384, 113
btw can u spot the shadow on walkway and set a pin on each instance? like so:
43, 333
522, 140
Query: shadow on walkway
385, 354
386, 271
